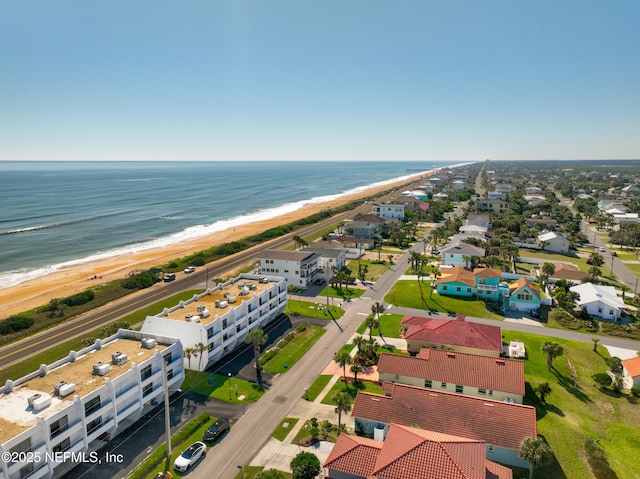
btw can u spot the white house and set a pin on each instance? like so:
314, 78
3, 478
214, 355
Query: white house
555, 242
330, 258
221, 317
395, 211
600, 301
458, 185
77, 403
299, 268
631, 373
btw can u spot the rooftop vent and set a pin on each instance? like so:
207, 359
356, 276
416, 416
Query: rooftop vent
252, 287
101, 368
221, 304
149, 343
63, 388
119, 358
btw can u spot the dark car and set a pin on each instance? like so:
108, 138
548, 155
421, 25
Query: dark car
169, 277
215, 430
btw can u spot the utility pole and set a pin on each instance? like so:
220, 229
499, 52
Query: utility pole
167, 417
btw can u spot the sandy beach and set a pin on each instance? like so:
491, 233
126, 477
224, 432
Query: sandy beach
39, 291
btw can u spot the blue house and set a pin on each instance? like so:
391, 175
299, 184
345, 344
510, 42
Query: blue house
488, 283
456, 281
523, 296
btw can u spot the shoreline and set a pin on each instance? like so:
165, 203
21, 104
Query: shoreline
73, 279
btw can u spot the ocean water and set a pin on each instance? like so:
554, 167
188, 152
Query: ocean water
55, 214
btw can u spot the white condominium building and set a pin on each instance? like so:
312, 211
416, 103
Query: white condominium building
217, 321
69, 409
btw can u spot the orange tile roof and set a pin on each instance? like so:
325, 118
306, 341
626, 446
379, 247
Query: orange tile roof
499, 423
486, 372
454, 332
488, 272
354, 455
457, 274
521, 283
408, 452
632, 366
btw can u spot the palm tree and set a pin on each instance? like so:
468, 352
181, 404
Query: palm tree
257, 338
535, 451
343, 358
343, 404
543, 390
200, 348
371, 322
378, 309
414, 258
552, 350
594, 272
189, 353
595, 344
356, 369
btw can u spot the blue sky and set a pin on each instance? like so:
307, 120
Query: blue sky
319, 80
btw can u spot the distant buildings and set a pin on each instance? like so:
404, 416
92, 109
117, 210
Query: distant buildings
221, 317
82, 401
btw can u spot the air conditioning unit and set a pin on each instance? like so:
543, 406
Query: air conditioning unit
63, 388
39, 401
204, 312
149, 343
101, 368
119, 358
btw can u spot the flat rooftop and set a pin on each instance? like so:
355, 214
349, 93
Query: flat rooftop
15, 413
209, 301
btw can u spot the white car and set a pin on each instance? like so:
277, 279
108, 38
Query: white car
189, 457
189, 269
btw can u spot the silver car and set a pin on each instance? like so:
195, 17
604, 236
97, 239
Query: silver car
189, 457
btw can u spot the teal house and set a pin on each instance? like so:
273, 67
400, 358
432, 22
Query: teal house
456, 281
523, 296
488, 283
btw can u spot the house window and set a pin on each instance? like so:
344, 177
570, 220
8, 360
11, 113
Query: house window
167, 358
599, 310
611, 311
524, 297
490, 447
224, 323
482, 391
63, 446
211, 346
147, 389
427, 383
169, 374
490, 392
458, 289
468, 290
145, 373
95, 424
444, 288
92, 405
26, 471
59, 426
209, 333
443, 386
459, 388
24, 446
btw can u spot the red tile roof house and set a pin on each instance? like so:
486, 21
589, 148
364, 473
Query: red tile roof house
501, 425
461, 335
454, 372
411, 453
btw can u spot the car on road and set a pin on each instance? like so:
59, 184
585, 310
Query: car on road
602, 249
189, 269
613, 253
169, 277
190, 456
216, 430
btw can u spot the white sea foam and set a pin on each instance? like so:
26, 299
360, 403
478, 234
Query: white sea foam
11, 278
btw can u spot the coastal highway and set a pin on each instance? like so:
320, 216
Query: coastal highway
100, 317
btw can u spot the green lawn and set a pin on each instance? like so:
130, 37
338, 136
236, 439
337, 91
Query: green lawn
374, 269
249, 472
634, 268
316, 309
284, 428
389, 323
294, 350
317, 386
627, 256
408, 294
222, 387
573, 414
351, 389
344, 293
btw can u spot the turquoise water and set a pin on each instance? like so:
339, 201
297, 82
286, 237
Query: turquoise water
58, 213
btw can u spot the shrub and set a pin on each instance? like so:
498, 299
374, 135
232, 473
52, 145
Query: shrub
139, 281
15, 323
79, 299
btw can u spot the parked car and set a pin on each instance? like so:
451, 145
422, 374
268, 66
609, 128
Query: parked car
189, 457
613, 253
535, 313
189, 269
169, 277
216, 430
